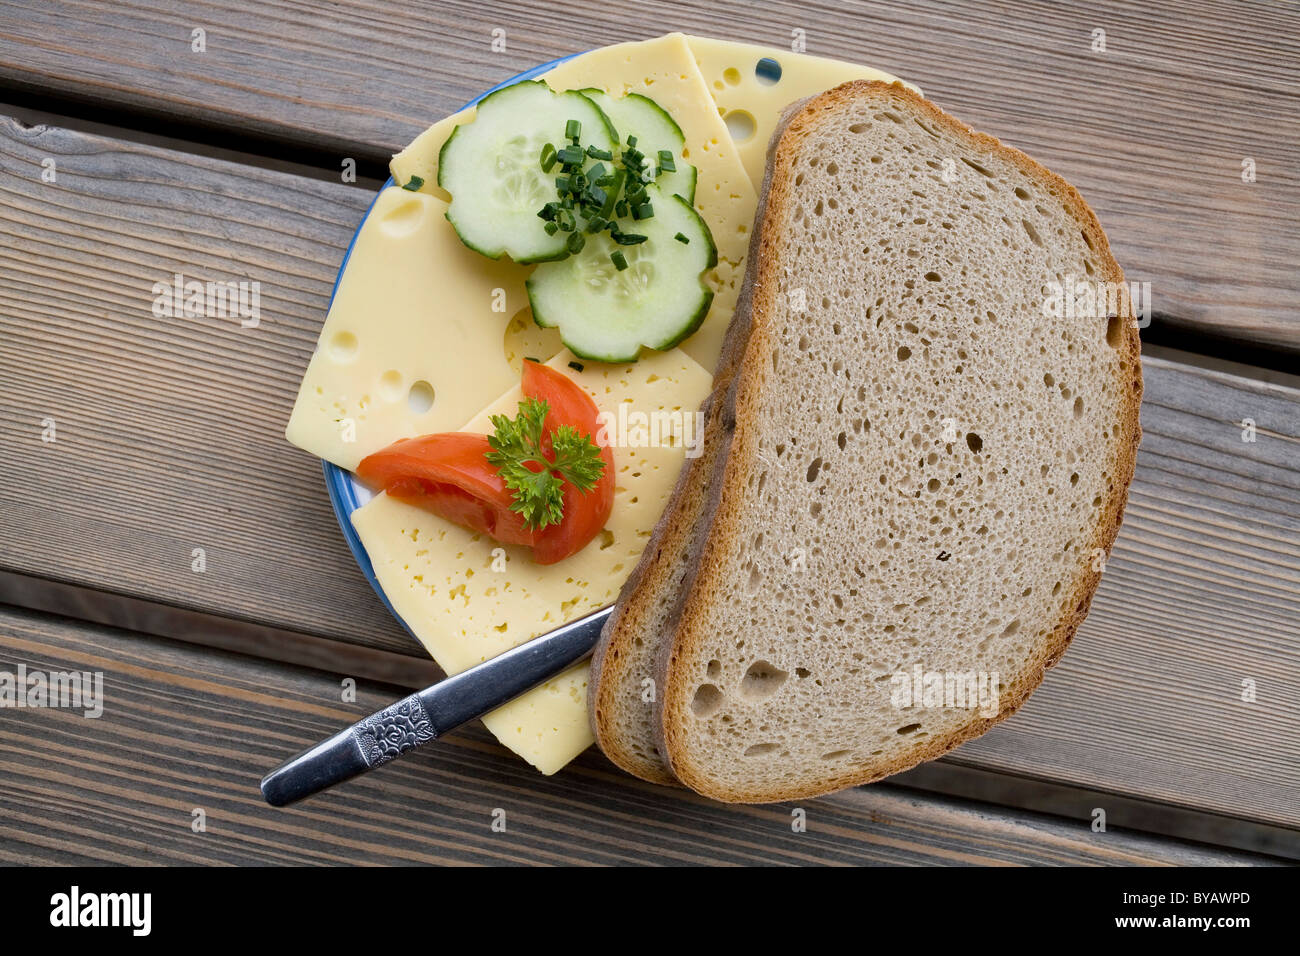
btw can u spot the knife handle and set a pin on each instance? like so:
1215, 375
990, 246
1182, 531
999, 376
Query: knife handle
434, 711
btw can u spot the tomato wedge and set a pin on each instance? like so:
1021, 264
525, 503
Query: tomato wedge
585, 513
449, 475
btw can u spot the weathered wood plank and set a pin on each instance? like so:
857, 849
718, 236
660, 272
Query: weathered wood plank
185, 729
1154, 130
143, 407
170, 438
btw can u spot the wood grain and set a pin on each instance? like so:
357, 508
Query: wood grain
1153, 131
185, 729
170, 438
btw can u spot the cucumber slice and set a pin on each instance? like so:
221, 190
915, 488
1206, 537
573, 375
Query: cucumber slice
654, 130
608, 315
492, 168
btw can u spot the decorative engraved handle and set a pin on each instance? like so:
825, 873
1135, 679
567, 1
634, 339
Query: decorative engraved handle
401, 727
393, 731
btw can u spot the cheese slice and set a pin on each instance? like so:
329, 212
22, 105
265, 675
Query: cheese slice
663, 69
751, 97
417, 316
468, 598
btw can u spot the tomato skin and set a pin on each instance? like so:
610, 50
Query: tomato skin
585, 513
449, 474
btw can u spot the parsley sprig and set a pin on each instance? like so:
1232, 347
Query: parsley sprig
539, 492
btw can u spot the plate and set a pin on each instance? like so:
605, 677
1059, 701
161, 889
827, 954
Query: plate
346, 493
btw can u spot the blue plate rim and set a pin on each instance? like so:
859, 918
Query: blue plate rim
346, 494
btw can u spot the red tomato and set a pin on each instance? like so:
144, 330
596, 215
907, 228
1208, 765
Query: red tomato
449, 475
585, 513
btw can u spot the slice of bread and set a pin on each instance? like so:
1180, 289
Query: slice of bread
621, 695
919, 468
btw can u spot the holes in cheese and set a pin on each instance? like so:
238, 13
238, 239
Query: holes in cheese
413, 340
524, 338
760, 82
468, 598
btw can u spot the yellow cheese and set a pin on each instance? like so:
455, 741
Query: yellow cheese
664, 70
468, 599
416, 315
751, 101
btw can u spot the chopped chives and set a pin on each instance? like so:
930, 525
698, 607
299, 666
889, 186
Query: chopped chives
629, 238
666, 162
573, 130
551, 228
414, 183
596, 223
631, 140
562, 183
595, 153
548, 157
576, 366
682, 239
619, 260
576, 241
571, 156
643, 211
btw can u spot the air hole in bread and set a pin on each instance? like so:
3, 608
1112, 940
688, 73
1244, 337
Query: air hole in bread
1034, 237
909, 729
761, 681
714, 669
758, 750
813, 469
707, 701
1114, 331
977, 167
836, 754
1078, 408
904, 353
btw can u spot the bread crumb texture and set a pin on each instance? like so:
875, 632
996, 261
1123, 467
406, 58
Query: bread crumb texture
928, 466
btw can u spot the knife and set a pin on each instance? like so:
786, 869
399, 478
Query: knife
427, 715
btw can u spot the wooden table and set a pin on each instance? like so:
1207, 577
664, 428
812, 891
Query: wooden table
226, 163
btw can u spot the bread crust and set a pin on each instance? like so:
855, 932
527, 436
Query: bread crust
653, 576
734, 458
